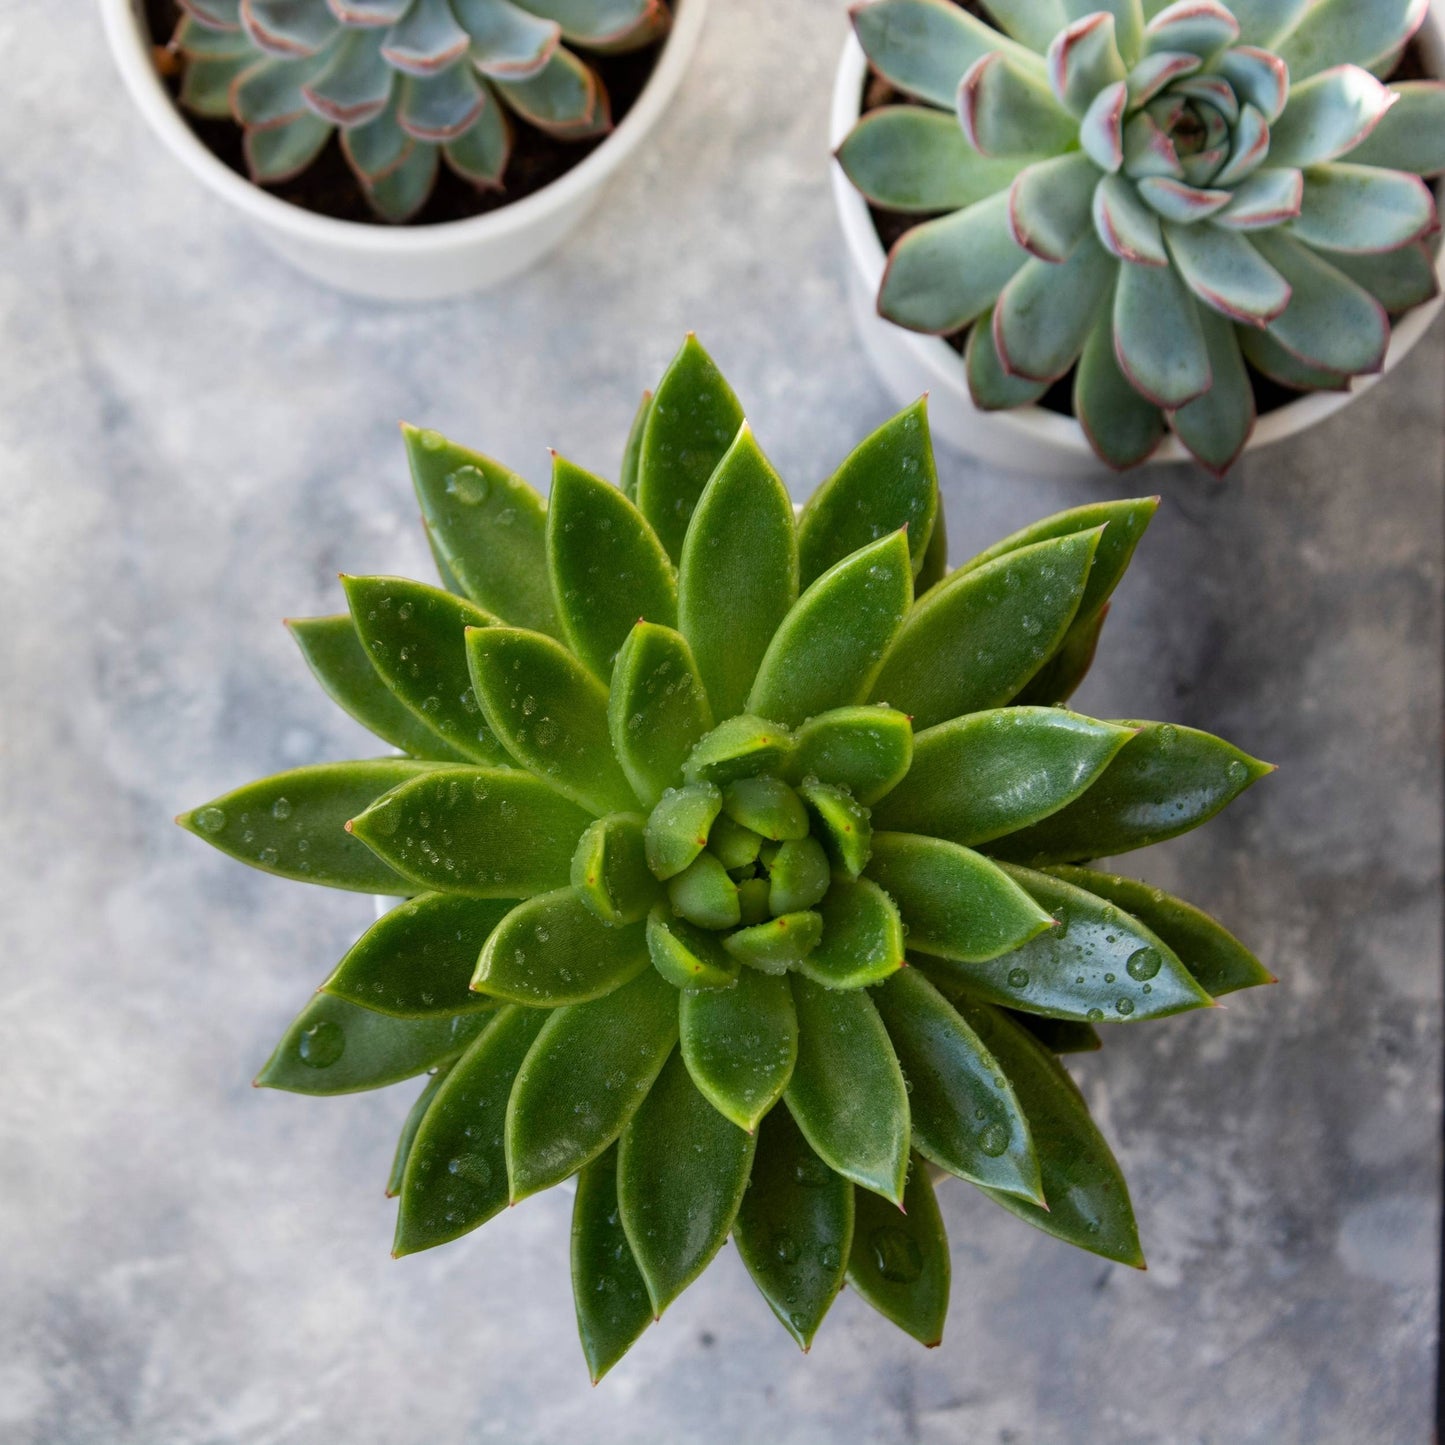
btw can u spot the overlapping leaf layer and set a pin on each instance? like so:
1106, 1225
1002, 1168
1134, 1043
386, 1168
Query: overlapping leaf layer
1158, 198
407, 83
688, 782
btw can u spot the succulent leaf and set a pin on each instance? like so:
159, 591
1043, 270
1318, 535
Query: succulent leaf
899, 1260
678, 1205
794, 1228
417, 960
1410, 136
990, 386
586, 1075
409, 1128
1088, 1201
1363, 209
1399, 280
739, 571
456, 1170
1007, 109
632, 452
847, 1093
1047, 311
1051, 205
1227, 273
1216, 426
610, 873
862, 936
1337, 32
843, 823
1123, 427
608, 569
336, 1047
611, 1297
1158, 337
277, 154
963, 1119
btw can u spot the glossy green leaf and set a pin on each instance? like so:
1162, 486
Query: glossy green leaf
794, 1228
734, 846
610, 872
740, 1044
417, 960
867, 750
1060, 1036
828, 648
692, 422
608, 569
335, 1047
776, 944
632, 453
488, 525
935, 559
843, 824
681, 1172
412, 1123
294, 824
955, 902
584, 1078
459, 830
1218, 961
899, 1261
1098, 964
862, 936
966, 1117
338, 658
909, 158
798, 876
657, 710
415, 637
739, 572
1088, 1201
612, 1304
554, 950
847, 1092
979, 636
742, 747
550, 713
1060, 677
677, 827
1162, 782
886, 483
990, 773
767, 806
456, 1175
688, 957
704, 894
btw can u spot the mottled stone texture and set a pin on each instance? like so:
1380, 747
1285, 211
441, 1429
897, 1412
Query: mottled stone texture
193, 441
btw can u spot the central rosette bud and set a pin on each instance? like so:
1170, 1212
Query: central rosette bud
752, 862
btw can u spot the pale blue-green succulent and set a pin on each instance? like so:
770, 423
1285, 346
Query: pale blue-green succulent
1165, 197
407, 83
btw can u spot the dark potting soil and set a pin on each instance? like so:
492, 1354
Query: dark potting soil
328, 187
891, 225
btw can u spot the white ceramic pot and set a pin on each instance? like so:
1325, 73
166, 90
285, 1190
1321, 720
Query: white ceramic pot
1031, 439
405, 263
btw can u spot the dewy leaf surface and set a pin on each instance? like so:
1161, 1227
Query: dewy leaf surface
990, 773
415, 636
1164, 781
488, 525
456, 1173
692, 422
550, 713
847, 1091
293, 824
1087, 1197
681, 1172
899, 1261
336, 1047
337, 656
979, 636
611, 1297
739, 572
608, 568
417, 960
461, 830
886, 483
828, 648
584, 1078
867, 750
965, 1115
794, 1228
407, 1137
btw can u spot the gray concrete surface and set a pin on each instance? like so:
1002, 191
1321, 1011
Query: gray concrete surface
193, 441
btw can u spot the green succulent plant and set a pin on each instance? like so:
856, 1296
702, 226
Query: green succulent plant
686, 782
407, 83
1162, 197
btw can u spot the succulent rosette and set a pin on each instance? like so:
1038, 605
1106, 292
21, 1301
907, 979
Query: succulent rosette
687, 782
408, 84
1164, 200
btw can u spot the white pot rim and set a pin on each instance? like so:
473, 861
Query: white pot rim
1064, 433
131, 46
